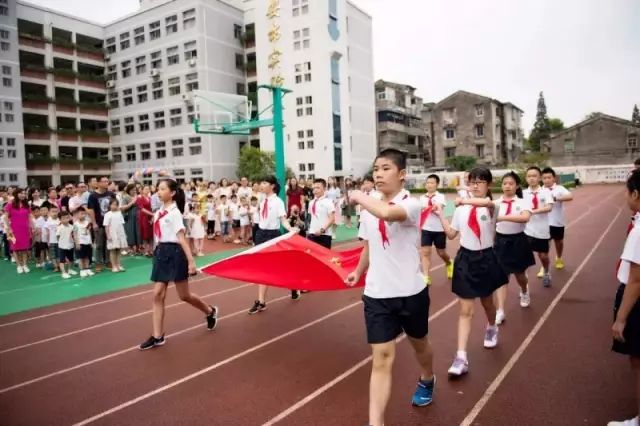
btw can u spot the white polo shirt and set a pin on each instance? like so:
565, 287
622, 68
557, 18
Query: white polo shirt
630, 254
255, 215
556, 217
64, 234
244, 192
323, 208
432, 223
538, 225
275, 212
517, 207
394, 270
52, 227
83, 231
468, 239
170, 224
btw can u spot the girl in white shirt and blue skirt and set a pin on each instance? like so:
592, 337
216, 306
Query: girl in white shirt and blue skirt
172, 261
476, 272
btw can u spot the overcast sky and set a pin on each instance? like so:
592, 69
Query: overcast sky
584, 54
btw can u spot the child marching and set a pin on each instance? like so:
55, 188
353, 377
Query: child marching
560, 195
432, 233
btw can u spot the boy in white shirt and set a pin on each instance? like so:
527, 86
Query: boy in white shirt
432, 232
40, 241
224, 217
254, 213
537, 229
395, 297
82, 238
556, 218
50, 232
64, 235
323, 215
211, 217
234, 212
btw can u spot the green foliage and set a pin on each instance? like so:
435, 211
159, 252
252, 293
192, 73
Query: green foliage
592, 115
541, 128
635, 117
461, 162
556, 125
255, 164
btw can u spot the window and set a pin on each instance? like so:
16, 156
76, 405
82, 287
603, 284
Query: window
239, 61
143, 122
4, 34
161, 153
154, 30
300, 144
177, 152
138, 35
131, 156
141, 64
13, 177
310, 133
309, 144
296, 45
128, 126
8, 106
6, 70
300, 134
189, 19
6, 82
11, 141
449, 152
302, 167
479, 110
158, 121
111, 45
195, 150
145, 155
298, 79
175, 118
300, 72
124, 41
301, 38
569, 146
449, 133
190, 113
311, 167
11, 153
171, 23
308, 99
172, 55
115, 127
309, 111
142, 93
8, 118
4, 11
190, 51
127, 96
298, 101
174, 86
125, 66
632, 141
156, 60
479, 130
237, 31
112, 72
156, 86
4, 46
192, 83
300, 112
307, 77
480, 151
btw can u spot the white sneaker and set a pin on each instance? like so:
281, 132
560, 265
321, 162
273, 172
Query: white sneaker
25, 269
66, 276
115, 270
20, 270
491, 337
631, 422
121, 269
83, 273
525, 299
72, 272
500, 317
38, 265
459, 367
89, 273
13, 260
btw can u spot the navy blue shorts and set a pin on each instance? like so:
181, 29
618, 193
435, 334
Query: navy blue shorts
85, 251
65, 255
432, 238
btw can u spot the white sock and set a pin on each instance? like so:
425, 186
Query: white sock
492, 327
462, 355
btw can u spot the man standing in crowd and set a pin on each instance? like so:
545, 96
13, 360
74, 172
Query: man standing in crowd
98, 206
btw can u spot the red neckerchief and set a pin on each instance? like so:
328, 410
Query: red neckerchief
382, 227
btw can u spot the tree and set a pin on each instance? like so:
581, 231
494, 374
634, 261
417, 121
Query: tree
541, 128
555, 125
255, 164
461, 162
635, 117
592, 115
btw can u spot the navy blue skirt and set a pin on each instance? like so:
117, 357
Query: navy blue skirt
514, 252
477, 273
169, 263
264, 235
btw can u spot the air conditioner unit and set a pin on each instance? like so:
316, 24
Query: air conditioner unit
192, 62
111, 84
187, 98
155, 72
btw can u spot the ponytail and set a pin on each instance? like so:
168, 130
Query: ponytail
519, 192
180, 199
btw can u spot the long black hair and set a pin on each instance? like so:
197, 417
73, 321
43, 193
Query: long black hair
484, 174
178, 196
513, 175
16, 203
272, 181
633, 181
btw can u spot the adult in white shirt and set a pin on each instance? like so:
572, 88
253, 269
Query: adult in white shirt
244, 191
512, 246
541, 201
556, 217
626, 327
476, 272
273, 215
432, 233
395, 297
323, 215
463, 189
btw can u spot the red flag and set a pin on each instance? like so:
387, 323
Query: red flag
291, 262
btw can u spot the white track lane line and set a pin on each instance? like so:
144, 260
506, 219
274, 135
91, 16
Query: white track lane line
122, 352
115, 321
344, 375
91, 305
527, 341
364, 362
216, 365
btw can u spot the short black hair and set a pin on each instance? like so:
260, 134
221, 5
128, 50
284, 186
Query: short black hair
81, 209
368, 178
210, 196
433, 176
234, 196
633, 181
637, 162
534, 168
321, 182
254, 198
64, 213
36, 208
272, 181
397, 157
223, 196
549, 170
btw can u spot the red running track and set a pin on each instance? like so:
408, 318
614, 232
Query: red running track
306, 362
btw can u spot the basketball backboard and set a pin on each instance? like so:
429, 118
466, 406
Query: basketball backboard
220, 113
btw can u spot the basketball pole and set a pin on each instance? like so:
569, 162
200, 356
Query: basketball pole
278, 134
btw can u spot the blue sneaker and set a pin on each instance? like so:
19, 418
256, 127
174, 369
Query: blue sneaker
424, 393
